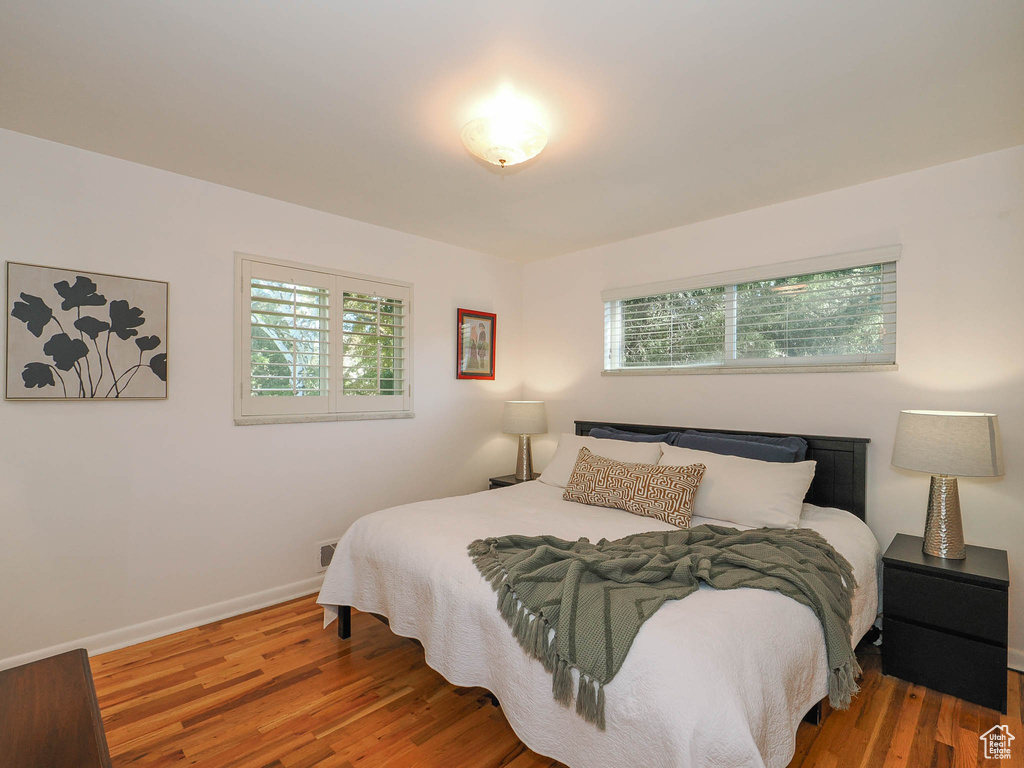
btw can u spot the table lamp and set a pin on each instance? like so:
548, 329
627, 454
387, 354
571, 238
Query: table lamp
524, 418
947, 444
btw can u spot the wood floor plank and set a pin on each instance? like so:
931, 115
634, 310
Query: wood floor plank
273, 689
922, 748
966, 749
905, 730
882, 708
849, 746
944, 724
942, 756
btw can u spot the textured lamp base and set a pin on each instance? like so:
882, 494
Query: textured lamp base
524, 460
944, 529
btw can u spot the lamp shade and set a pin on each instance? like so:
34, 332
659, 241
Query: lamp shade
949, 443
524, 417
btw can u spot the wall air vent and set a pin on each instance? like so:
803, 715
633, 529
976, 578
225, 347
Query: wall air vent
325, 552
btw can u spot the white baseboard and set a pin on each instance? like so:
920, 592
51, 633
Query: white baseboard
168, 625
1015, 659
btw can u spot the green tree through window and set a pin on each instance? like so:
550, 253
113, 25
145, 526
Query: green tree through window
845, 316
288, 339
373, 339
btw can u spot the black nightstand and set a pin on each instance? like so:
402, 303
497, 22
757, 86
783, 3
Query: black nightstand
504, 480
944, 622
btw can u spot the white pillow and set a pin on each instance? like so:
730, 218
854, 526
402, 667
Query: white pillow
746, 491
561, 465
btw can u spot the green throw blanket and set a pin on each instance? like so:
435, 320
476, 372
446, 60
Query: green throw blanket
597, 596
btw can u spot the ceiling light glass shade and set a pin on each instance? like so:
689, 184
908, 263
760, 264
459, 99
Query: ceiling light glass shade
503, 140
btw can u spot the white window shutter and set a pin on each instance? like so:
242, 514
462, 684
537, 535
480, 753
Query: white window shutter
315, 343
373, 374
285, 356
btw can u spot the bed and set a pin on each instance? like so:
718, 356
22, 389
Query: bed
720, 678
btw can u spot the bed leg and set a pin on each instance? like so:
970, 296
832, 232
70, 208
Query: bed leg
816, 715
344, 622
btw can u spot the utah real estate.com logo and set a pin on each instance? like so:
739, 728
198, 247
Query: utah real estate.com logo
997, 742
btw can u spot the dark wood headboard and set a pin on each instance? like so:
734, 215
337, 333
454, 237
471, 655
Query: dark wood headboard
840, 478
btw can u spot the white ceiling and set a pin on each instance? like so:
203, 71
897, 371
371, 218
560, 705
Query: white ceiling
660, 113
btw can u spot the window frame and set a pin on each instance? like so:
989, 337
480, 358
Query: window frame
728, 281
334, 406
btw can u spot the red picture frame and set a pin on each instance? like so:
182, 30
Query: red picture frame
475, 333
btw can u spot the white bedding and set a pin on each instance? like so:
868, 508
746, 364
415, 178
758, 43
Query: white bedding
720, 678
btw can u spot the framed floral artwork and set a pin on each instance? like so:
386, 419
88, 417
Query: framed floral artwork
476, 342
76, 335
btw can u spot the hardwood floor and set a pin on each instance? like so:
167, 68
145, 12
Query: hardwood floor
272, 689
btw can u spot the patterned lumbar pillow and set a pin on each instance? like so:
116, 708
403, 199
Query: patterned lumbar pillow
651, 490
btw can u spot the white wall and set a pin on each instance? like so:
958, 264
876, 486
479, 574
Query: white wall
116, 514
960, 335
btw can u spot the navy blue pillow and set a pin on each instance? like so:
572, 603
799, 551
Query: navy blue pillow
796, 444
729, 447
610, 433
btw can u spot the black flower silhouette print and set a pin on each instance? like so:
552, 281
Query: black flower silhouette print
81, 294
83, 354
158, 364
65, 351
91, 327
38, 375
124, 319
32, 311
146, 343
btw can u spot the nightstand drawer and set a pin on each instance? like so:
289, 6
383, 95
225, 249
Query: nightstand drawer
946, 604
968, 669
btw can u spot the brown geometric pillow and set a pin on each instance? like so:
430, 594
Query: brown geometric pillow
651, 490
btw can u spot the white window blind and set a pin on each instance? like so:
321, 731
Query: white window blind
836, 315
315, 343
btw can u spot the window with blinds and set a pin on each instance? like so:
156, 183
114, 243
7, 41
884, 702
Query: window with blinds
313, 343
836, 315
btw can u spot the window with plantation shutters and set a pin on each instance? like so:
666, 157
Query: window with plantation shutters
830, 313
313, 344
373, 347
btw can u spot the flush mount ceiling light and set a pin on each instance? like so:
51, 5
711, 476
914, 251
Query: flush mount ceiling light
504, 134
503, 141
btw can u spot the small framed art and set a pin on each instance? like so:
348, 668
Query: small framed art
77, 335
476, 342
